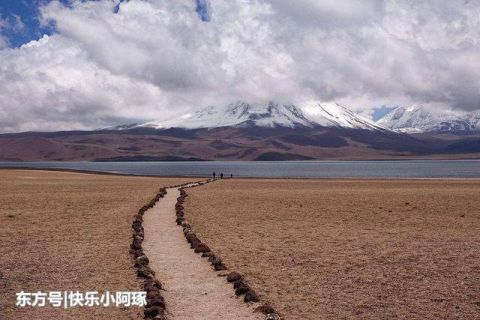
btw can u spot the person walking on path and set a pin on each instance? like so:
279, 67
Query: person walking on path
221, 175
213, 175
231, 175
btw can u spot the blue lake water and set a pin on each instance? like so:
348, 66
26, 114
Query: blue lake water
287, 169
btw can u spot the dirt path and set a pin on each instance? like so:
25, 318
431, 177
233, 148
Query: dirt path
193, 289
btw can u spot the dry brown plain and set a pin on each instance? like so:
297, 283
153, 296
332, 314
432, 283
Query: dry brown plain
69, 231
349, 249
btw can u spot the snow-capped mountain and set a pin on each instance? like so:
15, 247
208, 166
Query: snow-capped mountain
243, 114
415, 119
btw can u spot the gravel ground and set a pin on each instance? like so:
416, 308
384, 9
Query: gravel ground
69, 231
349, 249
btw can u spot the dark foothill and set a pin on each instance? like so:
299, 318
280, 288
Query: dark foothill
233, 276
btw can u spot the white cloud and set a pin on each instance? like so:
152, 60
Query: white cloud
156, 58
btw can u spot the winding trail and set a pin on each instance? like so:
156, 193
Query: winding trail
193, 290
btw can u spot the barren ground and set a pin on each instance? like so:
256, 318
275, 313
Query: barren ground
69, 231
193, 290
349, 249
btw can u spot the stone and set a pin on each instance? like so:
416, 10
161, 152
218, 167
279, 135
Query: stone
265, 309
145, 272
251, 296
179, 220
207, 254
136, 244
152, 312
234, 276
194, 243
201, 248
142, 261
242, 289
219, 267
237, 284
273, 316
190, 236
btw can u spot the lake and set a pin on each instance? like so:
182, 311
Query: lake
287, 169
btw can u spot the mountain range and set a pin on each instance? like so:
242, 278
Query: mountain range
417, 119
272, 115
245, 131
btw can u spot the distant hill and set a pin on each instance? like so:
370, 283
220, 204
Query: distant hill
240, 131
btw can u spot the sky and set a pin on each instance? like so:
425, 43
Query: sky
90, 64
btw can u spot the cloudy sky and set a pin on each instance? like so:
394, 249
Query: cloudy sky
90, 64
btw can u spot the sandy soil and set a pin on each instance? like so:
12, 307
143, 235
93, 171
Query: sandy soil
68, 231
349, 249
193, 290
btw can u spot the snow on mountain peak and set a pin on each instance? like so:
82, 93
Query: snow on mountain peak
336, 115
414, 119
242, 114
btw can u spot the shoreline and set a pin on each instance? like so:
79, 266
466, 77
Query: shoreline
93, 172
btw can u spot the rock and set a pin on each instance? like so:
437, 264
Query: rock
251, 296
242, 289
152, 312
136, 225
194, 243
152, 285
180, 220
217, 263
234, 276
191, 236
265, 309
201, 248
273, 316
207, 254
145, 272
237, 284
142, 261
136, 244
154, 296
219, 267
136, 253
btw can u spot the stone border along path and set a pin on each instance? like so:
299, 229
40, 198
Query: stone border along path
190, 289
